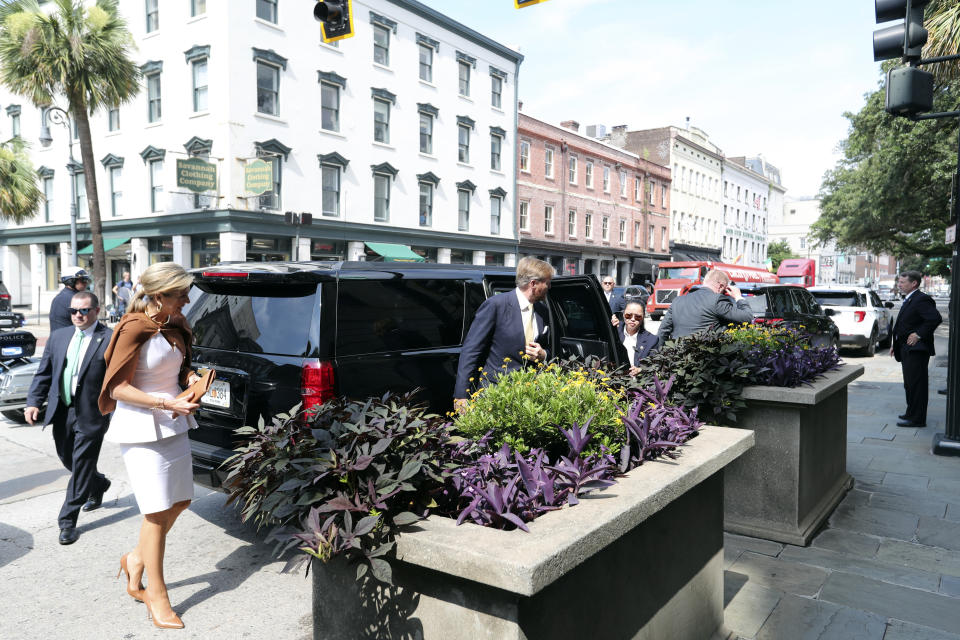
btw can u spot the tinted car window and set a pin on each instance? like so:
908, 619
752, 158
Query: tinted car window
838, 298
398, 315
273, 320
579, 314
780, 303
803, 302
757, 301
875, 299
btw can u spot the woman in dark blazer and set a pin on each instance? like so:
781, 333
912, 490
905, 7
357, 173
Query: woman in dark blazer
637, 341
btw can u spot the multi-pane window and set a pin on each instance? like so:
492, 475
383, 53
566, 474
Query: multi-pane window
198, 7
636, 234
329, 106
153, 15
426, 133
271, 199
464, 77
636, 189
623, 184
653, 189
15, 125
48, 199
426, 63
154, 110
267, 10
663, 195
116, 190
606, 179
496, 142
588, 174
524, 214
588, 225
200, 85
495, 204
605, 228
548, 219
156, 184
548, 162
381, 45
381, 197
268, 89
330, 178
463, 141
524, 156
496, 91
113, 119
651, 241
572, 170
463, 210
381, 121
572, 223
426, 204
623, 232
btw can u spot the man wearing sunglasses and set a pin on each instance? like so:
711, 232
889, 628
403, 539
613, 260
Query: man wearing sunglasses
616, 302
69, 379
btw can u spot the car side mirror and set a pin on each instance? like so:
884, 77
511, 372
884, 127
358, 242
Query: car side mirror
829, 312
888, 305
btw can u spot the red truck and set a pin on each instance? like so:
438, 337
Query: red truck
675, 279
799, 271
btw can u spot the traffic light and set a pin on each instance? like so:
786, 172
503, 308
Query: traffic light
909, 91
903, 40
337, 19
520, 4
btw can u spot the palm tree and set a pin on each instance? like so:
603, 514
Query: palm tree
942, 20
20, 196
75, 51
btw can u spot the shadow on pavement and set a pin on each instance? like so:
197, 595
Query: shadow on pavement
10, 488
14, 543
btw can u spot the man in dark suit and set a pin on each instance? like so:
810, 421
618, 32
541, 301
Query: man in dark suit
74, 280
913, 345
509, 325
69, 380
717, 303
637, 342
617, 302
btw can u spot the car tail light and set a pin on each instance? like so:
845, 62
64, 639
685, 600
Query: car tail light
316, 383
4, 296
859, 315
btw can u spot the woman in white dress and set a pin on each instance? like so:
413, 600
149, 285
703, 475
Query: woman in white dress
148, 360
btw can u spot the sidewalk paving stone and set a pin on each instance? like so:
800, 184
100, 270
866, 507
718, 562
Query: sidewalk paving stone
860, 544
747, 605
939, 533
868, 567
920, 556
900, 630
773, 573
798, 618
917, 482
746, 543
918, 504
894, 601
882, 522
953, 512
950, 585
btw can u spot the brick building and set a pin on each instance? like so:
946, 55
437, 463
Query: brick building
588, 207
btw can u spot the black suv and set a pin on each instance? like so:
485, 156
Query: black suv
282, 333
792, 306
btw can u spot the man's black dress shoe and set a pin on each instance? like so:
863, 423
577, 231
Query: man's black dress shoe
913, 425
94, 501
69, 535
942, 392
902, 416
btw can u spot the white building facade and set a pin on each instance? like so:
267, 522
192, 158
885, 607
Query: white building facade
793, 226
747, 197
402, 135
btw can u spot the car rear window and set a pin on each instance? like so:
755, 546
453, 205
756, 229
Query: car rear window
839, 298
253, 319
757, 301
375, 316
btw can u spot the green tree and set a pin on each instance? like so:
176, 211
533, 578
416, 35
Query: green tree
778, 252
890, 192
942, 20
78, 52
20, 196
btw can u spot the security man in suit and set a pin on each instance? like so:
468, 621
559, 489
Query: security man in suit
913, 345
509, 325
617, 302
717, 303
74, 279
69, 380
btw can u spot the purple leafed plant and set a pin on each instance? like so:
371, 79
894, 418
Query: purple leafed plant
793, 365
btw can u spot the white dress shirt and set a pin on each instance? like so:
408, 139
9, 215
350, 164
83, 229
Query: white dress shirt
630, 343
526, 310
87, 339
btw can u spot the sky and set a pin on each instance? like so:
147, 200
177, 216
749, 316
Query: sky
760, 77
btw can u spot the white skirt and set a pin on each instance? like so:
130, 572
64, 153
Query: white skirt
160, 472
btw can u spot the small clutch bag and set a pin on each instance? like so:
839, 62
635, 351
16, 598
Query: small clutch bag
195, 391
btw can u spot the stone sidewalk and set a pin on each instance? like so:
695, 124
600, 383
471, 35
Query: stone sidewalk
887, 565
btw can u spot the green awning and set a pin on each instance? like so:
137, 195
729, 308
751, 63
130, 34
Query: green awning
108, 244
394, 252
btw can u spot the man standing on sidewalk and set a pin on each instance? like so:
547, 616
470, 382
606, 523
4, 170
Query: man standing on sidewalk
913, 346
74, 279
69, 380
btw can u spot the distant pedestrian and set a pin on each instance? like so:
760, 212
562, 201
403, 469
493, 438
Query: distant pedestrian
68, 380
637, 341
74, 279
717, 303
913, 345
123, 293
616, 301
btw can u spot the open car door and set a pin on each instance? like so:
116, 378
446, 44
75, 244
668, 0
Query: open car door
580, 320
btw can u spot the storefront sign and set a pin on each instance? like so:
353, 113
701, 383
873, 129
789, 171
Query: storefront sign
196, 175
258, 177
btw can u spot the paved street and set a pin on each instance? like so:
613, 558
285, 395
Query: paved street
886, 567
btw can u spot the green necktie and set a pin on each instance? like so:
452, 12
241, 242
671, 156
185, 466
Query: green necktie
73, 357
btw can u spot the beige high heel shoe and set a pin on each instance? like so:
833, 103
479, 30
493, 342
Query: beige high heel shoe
172, 622
136, 594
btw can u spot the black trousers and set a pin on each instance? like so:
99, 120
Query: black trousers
78, 451
914, 366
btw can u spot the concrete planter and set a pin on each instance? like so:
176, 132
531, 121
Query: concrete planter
642, 559
796, 474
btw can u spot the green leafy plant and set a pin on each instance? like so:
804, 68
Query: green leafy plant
526, 406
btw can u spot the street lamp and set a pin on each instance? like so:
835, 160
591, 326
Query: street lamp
56, 115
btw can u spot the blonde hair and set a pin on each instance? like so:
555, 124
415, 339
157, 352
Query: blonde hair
716, 276
531, 268
162, 277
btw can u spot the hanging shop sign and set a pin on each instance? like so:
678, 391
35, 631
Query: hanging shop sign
196, 175
258, 176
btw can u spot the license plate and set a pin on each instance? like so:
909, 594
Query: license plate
11, 351
218, 395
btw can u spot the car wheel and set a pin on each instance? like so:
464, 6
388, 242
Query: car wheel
871, 347
16, 415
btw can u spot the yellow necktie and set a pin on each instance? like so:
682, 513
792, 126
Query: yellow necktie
529, 332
